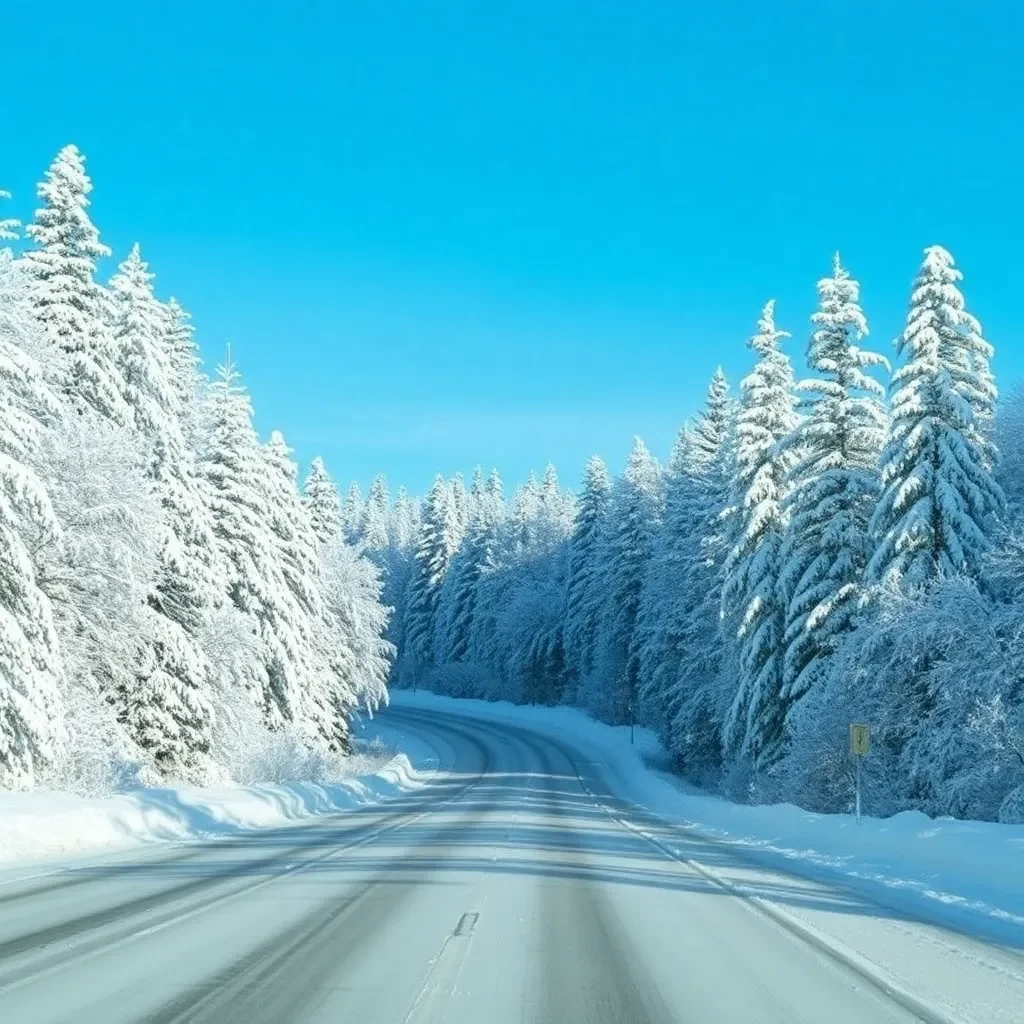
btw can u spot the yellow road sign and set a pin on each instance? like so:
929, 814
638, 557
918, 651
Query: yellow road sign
860, 739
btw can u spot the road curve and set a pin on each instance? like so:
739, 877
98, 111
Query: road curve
514, 888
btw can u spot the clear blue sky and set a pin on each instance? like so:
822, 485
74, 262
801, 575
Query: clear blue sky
444, 233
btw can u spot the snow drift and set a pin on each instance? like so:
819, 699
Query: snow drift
39, 825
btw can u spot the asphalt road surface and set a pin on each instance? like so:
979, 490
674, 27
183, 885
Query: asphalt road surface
515, 888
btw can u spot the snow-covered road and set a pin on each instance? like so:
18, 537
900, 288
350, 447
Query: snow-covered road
517, 886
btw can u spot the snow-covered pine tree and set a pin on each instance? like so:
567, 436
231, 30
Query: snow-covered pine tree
352, 591
322, 502
166, 708
664, 589
30, 402
965, 354
678, 579
460, 505
98, 568
138, 326
435, 548
240, 490
518, 599
751, 594
556, 511
475, 557
31, 708
489, 588
477, 488
66, 298
710, 434
940, 498
404, 524
584, 592
403, 529
525, 514
698, 699
634, 517
494, 486
186, 378
316, 663
376, 513
352, 514
833, 484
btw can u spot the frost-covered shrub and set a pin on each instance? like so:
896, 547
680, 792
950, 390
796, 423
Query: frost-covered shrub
934, 673
99, 759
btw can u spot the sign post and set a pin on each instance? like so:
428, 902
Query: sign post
860, 744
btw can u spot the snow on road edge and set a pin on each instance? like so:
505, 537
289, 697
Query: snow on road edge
42, 826
968, 874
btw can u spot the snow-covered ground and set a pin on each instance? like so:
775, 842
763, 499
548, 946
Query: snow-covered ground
965, 874
44, 825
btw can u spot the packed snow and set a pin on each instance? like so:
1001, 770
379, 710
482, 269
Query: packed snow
45, 825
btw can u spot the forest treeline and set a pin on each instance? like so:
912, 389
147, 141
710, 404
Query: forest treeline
844, 548
175, 605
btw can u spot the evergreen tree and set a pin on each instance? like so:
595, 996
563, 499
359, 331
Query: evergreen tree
404, 524
322, 503
185, 376
526, 504
940, 497
495, 487
31, 709
476, 557
697, 702
477, 488
663, 589
490, 566
240, 494
69, 304
138, 328
435, 547
677, 579
362, 663
753, 568
166, 707
376, 513
833, 484
352, 514
635, 512
313, 660
556, 511
403, 530
460, 504
583, 594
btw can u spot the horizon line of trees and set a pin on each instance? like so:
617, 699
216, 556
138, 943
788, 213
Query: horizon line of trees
172, 606
842, 548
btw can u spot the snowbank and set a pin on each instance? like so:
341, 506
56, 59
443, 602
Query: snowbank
966, 874
39, 825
